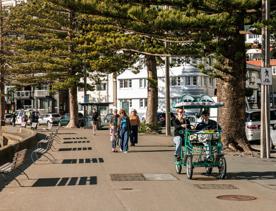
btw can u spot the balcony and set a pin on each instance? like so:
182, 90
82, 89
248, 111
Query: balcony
22, 95
41, 93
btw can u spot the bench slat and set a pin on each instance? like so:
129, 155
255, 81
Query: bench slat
6, 167
18, 159
40, 150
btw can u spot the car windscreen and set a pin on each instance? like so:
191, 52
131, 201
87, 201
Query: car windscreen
55, 115
273, 115
253, 117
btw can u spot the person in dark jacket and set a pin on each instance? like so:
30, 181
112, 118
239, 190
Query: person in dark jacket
95, 119
180, 124
206, 123
13, 118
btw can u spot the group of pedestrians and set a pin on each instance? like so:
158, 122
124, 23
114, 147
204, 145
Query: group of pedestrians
123, 129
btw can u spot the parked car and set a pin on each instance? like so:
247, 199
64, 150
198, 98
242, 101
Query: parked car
42, 120
21, 116
253, 123
64, 120
50, 118
106, 120
161, 118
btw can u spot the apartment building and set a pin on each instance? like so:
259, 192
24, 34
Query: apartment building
11, 3
131, 88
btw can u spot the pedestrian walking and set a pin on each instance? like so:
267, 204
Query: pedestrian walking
13, 118
134, 125
114, 126
124, 129
95, 119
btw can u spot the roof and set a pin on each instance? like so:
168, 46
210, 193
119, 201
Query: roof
259, 63
254, 51
184, 69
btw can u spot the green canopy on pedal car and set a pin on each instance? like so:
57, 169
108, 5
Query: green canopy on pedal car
197, 101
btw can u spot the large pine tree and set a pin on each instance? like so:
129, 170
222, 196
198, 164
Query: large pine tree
211, 28
53, 44
42, 46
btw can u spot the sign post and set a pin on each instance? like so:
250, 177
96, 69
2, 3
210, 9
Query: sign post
266, 76
266, 81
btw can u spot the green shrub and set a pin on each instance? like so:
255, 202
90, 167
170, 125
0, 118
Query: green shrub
147, 128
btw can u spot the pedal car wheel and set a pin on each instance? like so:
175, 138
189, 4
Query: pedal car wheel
178, 168
189, 167
222, 168
209, 170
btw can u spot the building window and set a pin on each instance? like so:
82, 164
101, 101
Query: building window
101, 87
143, 103
253, 36
211, 81
81, 89
194, 80
175, 81
143, 83
125, 83
205, 82
187, 80
42, 87
127, 100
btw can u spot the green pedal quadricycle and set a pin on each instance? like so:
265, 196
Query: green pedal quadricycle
201, 148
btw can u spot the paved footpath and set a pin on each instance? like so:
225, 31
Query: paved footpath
90, 177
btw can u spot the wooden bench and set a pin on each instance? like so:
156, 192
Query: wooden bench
10, 167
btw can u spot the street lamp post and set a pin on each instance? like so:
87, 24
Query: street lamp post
167, 96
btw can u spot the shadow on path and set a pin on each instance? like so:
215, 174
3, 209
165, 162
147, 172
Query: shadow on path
154, 145
157, 150
266, 175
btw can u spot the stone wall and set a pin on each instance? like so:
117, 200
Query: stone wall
14, 139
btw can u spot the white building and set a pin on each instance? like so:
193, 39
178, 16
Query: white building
11, 3
185, 79
132, 88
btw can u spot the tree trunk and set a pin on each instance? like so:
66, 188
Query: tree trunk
73, 100
73, 107
152, 100
231, 91
232, 115
2, 101
2, 86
